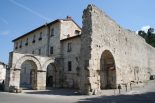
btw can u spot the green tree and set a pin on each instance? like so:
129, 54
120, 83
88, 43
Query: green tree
149, 36
142, 33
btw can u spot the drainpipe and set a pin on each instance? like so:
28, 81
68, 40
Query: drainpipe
48, 40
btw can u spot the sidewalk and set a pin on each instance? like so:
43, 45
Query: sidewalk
148, 86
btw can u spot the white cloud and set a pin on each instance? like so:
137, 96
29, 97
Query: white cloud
137, 31
145, 28
29, 9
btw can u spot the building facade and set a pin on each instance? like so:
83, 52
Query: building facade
2, 72
101, 56
56, 43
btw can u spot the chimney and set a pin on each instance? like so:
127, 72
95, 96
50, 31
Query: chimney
69, 18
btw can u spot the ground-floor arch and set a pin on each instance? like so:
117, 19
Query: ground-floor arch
29, 71
28, 67
28, 75
108, 71
51, 74
26, 70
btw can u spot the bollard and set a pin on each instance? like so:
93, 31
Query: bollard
130, 86
119, 88
126, 87
114, 92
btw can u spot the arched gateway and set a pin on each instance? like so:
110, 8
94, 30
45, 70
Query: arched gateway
28, 67
52, 73
108, 71
27, 71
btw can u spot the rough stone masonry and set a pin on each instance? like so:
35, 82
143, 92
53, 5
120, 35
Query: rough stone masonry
110, 55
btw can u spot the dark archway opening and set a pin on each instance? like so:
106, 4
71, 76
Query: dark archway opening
28, 75
49, 81
108, 71
51, 76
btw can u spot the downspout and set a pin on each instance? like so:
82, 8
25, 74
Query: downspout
62, 58
48, 40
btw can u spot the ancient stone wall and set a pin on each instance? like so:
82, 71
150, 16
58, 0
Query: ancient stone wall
134, 59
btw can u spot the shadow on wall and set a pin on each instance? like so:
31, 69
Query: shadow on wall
2, 86
137, 98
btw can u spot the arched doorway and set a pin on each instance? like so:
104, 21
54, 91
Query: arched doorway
51, 75
108, 71
28, 75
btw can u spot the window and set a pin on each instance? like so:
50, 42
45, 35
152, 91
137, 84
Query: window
20, 44
39, 50
40, 37
16, 47
26, 43
77, 32
69, 47
51, 50
52, 32
34, 39
69, 66
33, 52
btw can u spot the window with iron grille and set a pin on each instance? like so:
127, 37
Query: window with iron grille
34, 39
40, 37
16, 47
69, 47
33, 52
52, 32
20, 46
26, 43
51, 50
69, 66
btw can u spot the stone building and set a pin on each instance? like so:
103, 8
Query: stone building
46, 56
2, 72
101, 56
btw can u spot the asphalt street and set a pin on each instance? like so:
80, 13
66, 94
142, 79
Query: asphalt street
144, 94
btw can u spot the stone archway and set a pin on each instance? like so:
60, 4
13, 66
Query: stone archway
32, 74
108, 71
30, 58
51, 74
28, 75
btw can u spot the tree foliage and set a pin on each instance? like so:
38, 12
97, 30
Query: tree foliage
149, 36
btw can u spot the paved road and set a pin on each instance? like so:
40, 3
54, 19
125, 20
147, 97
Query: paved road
31, 98
139, 95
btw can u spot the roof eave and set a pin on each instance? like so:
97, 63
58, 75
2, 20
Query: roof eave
53, 22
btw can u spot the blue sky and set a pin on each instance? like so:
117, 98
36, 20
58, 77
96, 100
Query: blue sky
20, 16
